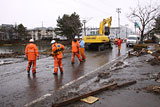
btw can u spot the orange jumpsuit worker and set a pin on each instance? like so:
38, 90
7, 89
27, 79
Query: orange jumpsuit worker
119, 42
75, 49
31, 53
82, 43
57, 53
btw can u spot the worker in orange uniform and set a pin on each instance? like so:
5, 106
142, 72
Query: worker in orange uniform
82, 43
119, 42
31, 53
75, 49
57, 53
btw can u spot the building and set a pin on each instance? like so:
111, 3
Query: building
7, 32
114, 32
42, 33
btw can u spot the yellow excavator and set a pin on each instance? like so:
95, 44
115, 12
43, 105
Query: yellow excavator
100, 41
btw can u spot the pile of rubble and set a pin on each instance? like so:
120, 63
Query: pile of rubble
139, 49
157, 77
143, 51
12, 55
137, 53
157, 54
156, 59
155, 89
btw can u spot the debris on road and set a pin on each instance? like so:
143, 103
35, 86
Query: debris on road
2, 62
142, 49
126, 84
158, 80
139, 52
139, 47
12, 55
156, 53
83, 96
150, 52
155, 89
90, 99
111, 86
156, 59
157, 77
119, 63
104, 75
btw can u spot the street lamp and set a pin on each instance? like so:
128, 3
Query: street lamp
84, 21
118, 10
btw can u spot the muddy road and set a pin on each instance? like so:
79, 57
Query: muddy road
18, 89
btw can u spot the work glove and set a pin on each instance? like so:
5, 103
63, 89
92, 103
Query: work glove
26, 57
61, 49
37, 56
55, 51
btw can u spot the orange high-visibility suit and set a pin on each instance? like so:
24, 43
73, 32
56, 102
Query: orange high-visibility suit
31, 53
75, 51
119, 42
57, 52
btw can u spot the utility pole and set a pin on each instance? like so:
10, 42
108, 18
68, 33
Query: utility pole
42, 23
118, 10
126, 30
84, 21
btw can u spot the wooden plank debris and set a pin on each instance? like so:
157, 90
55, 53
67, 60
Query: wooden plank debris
83, 96
110, 86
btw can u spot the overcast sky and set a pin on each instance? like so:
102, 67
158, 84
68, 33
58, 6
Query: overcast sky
31, 13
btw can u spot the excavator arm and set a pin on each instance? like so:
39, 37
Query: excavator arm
102, 25
100, 41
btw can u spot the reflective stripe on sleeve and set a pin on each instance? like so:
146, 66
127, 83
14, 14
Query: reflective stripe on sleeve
30, 51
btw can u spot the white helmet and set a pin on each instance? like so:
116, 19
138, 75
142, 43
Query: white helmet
31, 40
53, 41
80, 37
76, 37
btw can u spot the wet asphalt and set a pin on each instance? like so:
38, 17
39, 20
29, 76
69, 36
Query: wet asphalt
18, 89
135, 95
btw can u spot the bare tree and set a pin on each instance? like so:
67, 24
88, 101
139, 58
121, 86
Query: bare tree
144, 15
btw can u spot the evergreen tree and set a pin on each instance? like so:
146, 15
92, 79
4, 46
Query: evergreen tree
22, 32
69, 26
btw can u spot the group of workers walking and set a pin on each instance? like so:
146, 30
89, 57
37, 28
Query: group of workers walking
32, 54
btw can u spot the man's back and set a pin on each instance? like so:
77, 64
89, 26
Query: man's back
31, 51
75, 46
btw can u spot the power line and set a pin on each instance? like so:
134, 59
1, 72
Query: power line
93, 7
